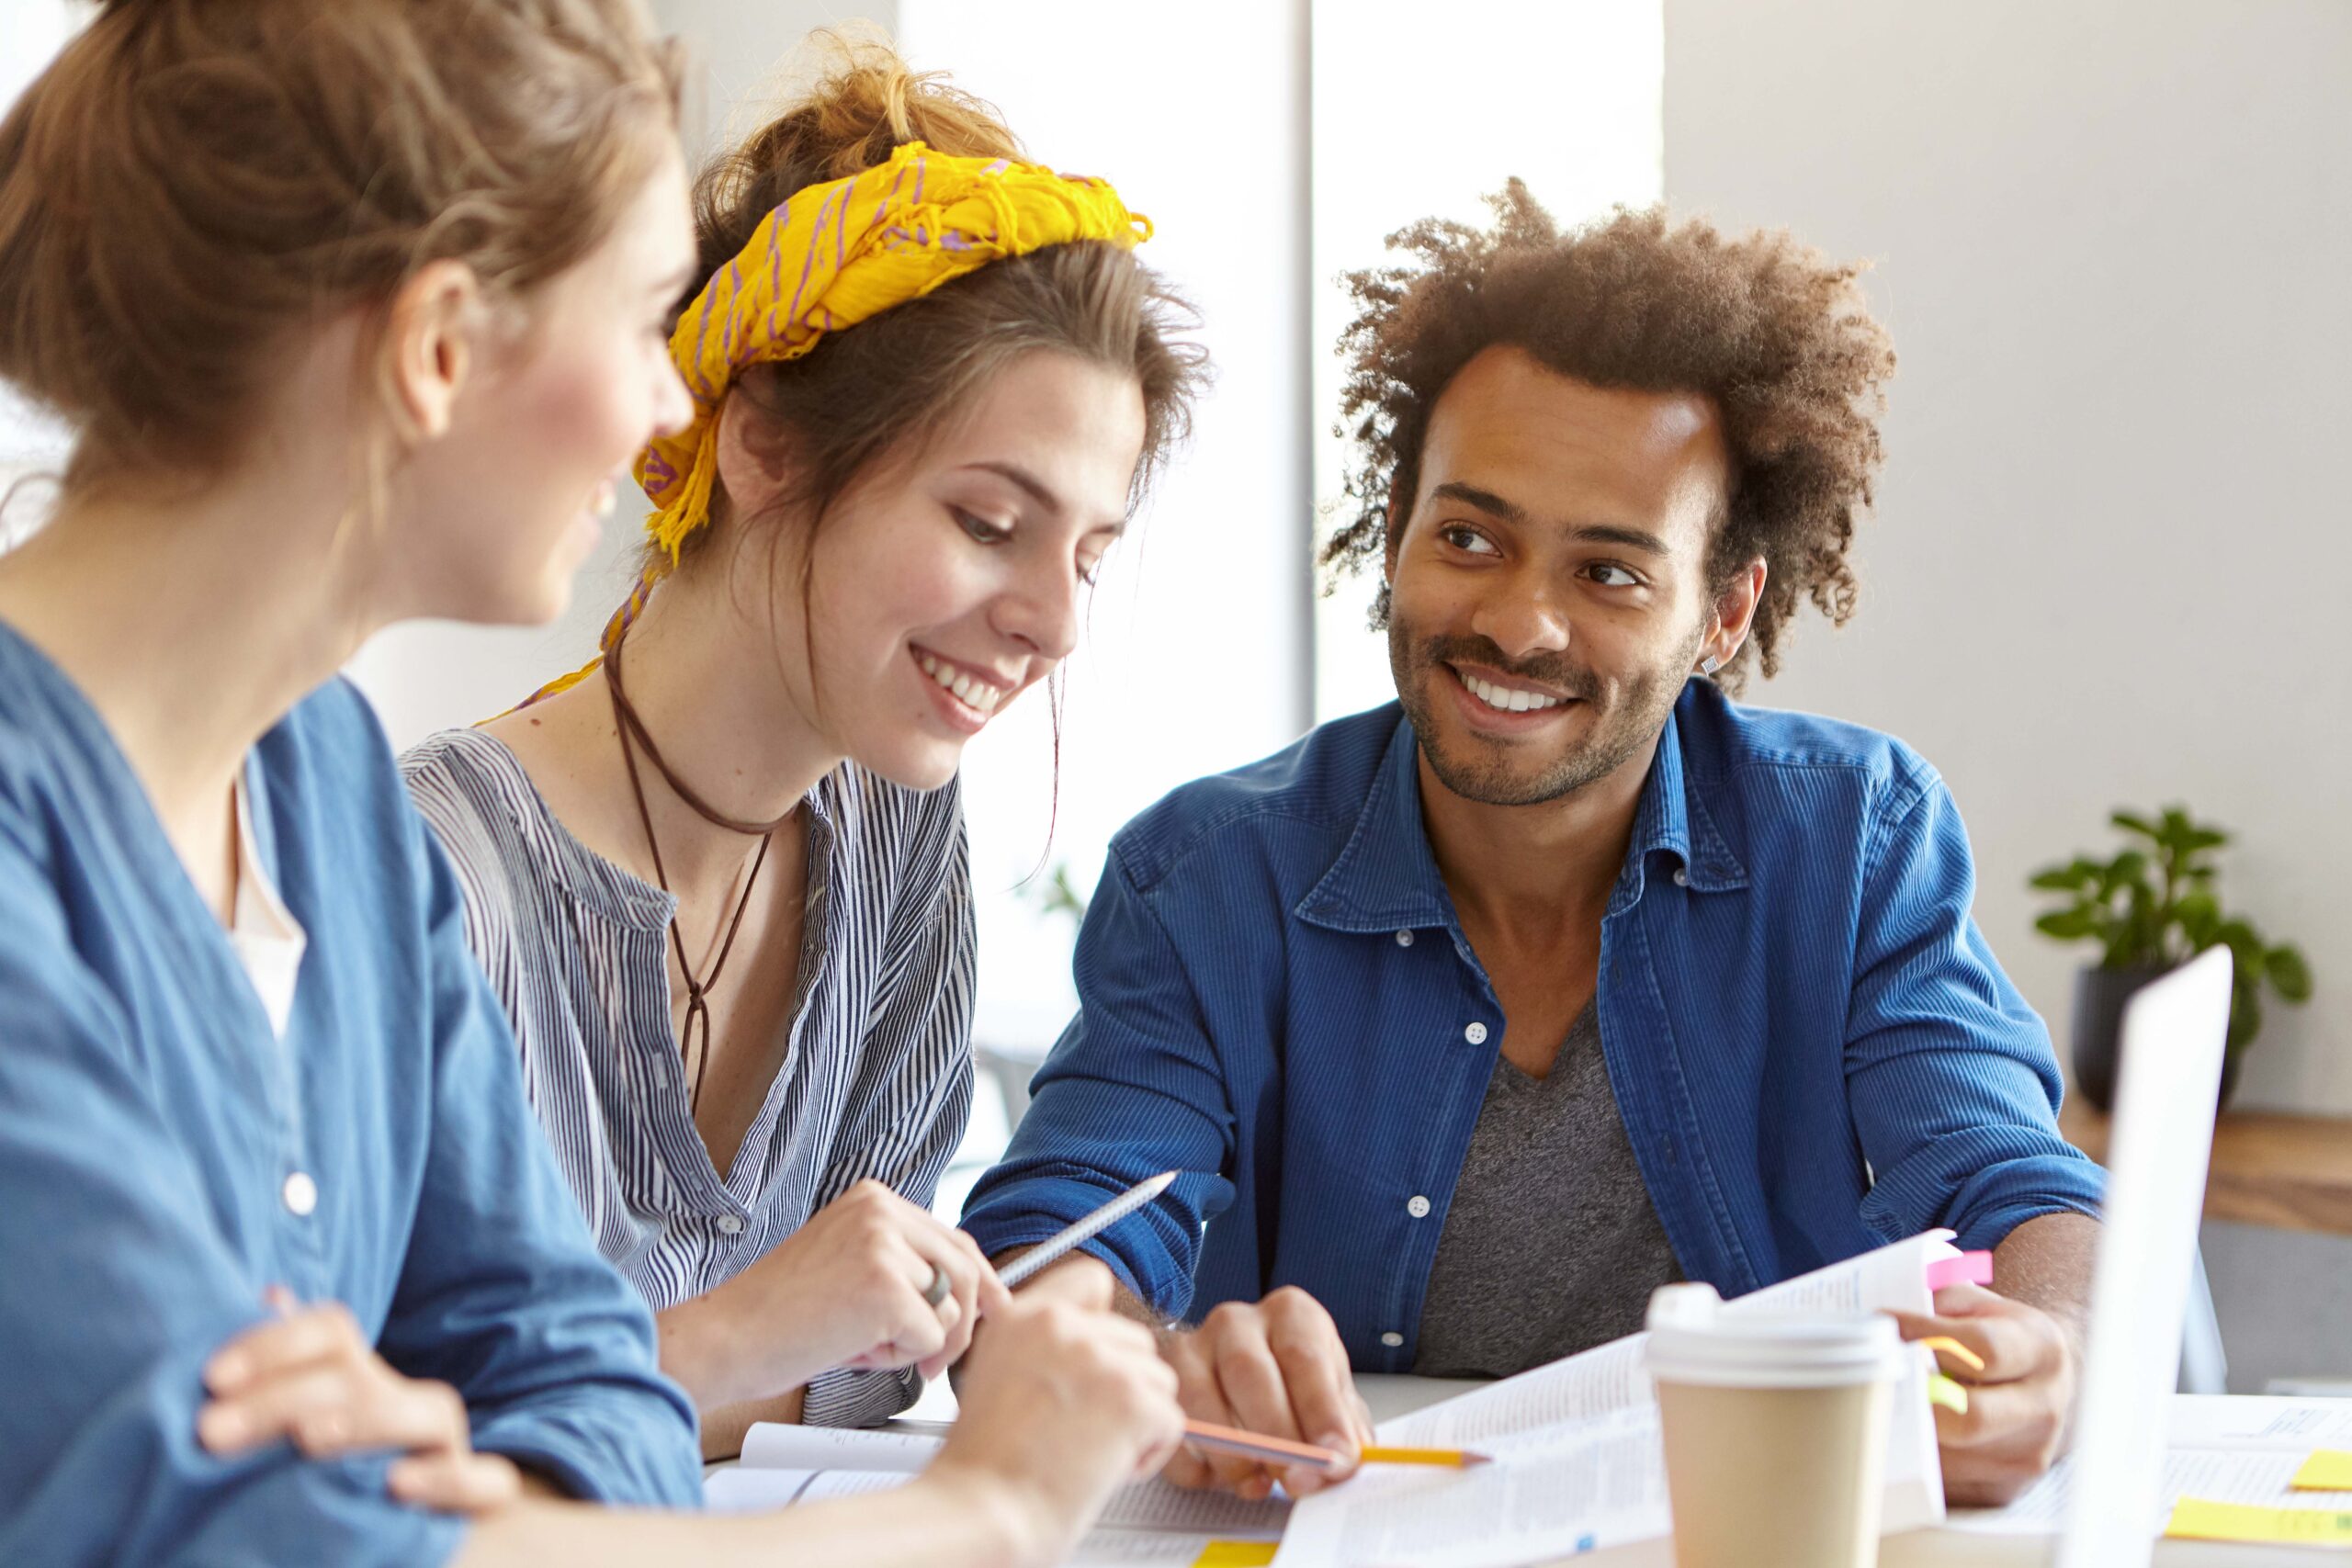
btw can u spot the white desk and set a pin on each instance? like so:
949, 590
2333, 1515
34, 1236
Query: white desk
1391, 1395
1395, 1395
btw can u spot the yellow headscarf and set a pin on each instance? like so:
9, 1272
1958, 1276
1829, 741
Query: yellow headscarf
831, 257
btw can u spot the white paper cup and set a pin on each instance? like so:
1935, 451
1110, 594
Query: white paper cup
1775, 1431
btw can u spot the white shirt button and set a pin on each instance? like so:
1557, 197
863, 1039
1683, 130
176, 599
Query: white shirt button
1392, 1339
1681, 877
1418, 1206
729, 1225
1404, 939
1475, 1034
302, 1194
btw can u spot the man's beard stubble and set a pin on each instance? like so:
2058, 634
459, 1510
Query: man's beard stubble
1625, 717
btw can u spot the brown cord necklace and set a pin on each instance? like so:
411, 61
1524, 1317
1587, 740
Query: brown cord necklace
698, 991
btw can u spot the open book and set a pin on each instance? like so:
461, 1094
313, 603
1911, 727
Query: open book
1578, 1464
1149, 1522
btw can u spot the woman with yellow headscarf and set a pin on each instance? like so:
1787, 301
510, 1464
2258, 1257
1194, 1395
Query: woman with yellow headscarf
719, 878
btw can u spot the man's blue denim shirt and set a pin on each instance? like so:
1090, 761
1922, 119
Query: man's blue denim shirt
1812, 1046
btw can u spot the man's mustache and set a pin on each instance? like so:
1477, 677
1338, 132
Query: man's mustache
1554, 672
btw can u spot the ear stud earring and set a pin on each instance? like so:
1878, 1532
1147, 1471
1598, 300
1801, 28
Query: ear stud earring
1707, 665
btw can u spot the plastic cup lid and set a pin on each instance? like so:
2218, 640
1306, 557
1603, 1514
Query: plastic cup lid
1693, 1340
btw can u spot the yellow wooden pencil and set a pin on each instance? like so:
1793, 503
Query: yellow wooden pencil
1279, 1450
1458, 1458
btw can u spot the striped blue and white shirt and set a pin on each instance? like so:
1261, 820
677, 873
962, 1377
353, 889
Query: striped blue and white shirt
877, 1078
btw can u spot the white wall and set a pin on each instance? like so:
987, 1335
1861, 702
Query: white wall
2114, 245
1195, 655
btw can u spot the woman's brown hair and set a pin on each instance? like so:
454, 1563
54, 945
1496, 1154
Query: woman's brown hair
192, 180
877, 390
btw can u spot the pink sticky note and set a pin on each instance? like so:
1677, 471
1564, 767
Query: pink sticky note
1968, 1268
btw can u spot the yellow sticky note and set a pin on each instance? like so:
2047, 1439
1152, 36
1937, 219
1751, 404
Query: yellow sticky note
2193, 1519
1951, 1396
1236, 1554
2329, 1470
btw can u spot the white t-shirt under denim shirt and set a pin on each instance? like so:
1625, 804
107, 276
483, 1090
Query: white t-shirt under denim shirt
265, 935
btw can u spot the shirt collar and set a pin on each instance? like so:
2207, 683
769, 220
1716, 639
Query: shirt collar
1673, 820
1386, 878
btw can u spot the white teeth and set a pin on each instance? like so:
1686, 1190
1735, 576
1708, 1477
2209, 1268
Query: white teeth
965, 687
1508, 699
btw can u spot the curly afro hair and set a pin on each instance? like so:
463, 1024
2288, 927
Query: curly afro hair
1777, 335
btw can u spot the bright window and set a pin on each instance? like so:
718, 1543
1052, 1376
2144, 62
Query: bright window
1414, 119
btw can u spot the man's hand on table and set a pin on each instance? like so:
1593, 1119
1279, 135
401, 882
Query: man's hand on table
2019, 1406
1276, 1367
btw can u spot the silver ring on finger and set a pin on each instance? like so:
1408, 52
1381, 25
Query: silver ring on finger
940, 1287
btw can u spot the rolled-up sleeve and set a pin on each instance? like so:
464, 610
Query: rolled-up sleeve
502, 1295
1953, 1083
1133, 1087
119, 1286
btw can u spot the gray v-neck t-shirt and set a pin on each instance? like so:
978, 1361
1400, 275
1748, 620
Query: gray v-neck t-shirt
1551, 1243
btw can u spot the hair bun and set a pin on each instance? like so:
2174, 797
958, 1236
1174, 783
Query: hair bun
855, 100
866, 101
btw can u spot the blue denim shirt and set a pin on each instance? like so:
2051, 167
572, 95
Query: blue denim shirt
149, 1121
1811, 1044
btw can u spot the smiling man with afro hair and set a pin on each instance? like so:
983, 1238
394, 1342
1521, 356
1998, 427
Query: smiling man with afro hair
1777, 337
1471, 1020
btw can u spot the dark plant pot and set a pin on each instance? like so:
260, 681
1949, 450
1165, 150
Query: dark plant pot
2099, 996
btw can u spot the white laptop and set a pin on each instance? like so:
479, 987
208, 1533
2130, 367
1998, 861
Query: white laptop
2162, 1137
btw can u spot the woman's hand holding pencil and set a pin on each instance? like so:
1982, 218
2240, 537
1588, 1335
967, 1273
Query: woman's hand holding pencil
1060, 1406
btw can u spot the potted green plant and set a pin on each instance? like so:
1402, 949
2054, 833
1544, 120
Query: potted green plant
2151, 907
